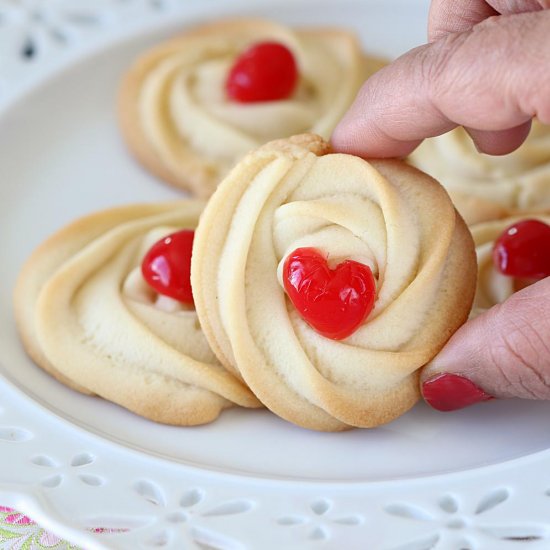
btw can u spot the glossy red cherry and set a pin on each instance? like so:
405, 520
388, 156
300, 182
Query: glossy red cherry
167, 266
264, 72
333, 301
523, 250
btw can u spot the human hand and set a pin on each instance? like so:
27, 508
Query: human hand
484, 71
486, 68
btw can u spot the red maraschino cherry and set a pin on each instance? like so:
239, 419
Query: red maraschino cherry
523, 250
264, 72
167, 266
333, 301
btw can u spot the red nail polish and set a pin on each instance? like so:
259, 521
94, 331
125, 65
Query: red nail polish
449, 392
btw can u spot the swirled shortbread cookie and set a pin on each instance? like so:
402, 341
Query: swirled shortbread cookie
87, 316
191, 107
339, 344
511, 253
485, 187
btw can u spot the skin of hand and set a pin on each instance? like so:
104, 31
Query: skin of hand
485, 67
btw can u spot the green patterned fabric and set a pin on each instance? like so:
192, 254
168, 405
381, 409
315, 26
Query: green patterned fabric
19, 532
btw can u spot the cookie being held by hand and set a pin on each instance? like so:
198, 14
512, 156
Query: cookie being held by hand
327, 281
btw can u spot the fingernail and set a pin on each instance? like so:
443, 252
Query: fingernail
450, 392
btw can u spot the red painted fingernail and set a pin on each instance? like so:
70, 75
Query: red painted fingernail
449, 392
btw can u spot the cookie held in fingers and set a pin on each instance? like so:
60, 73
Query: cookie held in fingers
87, 315
485, 187
378, 243
192, 106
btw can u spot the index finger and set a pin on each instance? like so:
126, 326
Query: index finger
493, 77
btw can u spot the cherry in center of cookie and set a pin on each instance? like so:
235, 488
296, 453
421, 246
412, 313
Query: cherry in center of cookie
523, 250
167, 266
333, 301
264, 72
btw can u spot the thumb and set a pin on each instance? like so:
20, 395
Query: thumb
505, 352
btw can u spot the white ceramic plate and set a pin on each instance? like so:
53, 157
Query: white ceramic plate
473, 479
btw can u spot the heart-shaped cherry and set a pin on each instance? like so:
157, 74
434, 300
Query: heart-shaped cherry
264, 72
523, 250
333, 301
167, 266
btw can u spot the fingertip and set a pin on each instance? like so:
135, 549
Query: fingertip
450, 392
502, 353
372, 148
372, 125
356, 136
500, 142
456, 378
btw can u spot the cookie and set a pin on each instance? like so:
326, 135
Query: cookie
485, 187
86, 315
383, 217
179, 123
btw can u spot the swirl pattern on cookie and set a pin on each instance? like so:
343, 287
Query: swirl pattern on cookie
485, 187
383, 214
86, 315
179, 123
493, 287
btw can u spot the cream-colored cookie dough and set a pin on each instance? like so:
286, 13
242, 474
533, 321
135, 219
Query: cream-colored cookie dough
382, 213
176, 117
86, 315
492, 286
485, 187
